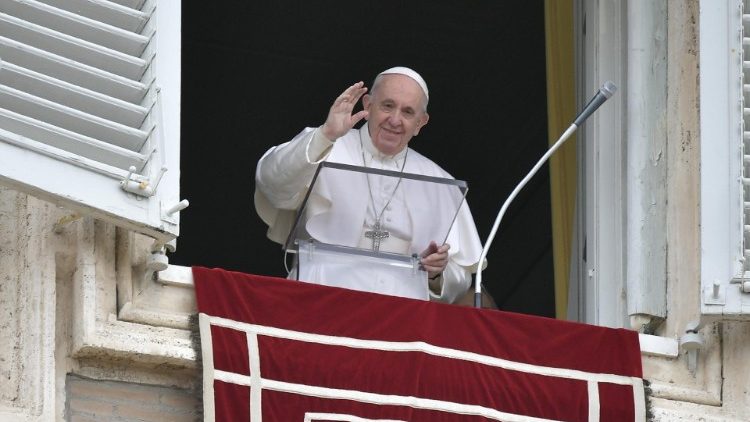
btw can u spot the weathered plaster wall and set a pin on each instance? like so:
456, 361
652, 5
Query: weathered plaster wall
27, 309
59, 310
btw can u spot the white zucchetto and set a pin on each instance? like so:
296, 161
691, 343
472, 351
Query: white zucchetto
401, 70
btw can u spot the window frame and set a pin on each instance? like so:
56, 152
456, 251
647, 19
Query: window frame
598, 272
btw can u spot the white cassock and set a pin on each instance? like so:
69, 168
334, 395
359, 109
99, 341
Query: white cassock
410, 214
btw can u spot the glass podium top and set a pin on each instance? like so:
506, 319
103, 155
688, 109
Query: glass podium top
373, 212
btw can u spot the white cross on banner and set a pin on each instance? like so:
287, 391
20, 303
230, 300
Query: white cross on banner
279, 350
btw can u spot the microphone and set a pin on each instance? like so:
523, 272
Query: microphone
604, 93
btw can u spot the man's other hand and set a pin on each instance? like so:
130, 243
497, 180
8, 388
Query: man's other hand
434, 258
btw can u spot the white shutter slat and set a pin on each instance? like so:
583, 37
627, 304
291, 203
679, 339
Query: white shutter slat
71, 95
105, 11
76, 25
133, 4
44, 133
11, 141
72, 119
71, 71
73, 48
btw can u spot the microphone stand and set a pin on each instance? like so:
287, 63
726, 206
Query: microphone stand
604, 93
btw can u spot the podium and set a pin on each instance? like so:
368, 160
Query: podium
336, 238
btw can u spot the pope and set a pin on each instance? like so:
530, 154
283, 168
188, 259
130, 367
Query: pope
384, 217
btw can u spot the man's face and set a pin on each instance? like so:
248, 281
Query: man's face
396, 112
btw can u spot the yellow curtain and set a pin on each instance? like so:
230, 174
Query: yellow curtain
558, 26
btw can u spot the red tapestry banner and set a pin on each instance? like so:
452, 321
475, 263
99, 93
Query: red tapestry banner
280, 350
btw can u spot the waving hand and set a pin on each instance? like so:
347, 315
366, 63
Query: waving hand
340, 118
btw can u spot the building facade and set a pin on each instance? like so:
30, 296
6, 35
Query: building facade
98, 327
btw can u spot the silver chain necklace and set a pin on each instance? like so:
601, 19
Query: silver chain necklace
378, 232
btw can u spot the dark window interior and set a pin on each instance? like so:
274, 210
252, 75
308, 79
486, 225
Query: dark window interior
256, 73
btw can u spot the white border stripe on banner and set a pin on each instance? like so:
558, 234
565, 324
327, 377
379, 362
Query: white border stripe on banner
379, 399
419, 346
233, 378
639, 398
312, 417
593, 401
207, 351
256, 406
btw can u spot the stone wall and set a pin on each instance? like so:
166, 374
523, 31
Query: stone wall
90, 400
78, 303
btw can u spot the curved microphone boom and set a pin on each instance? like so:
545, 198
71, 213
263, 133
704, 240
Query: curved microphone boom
604, 93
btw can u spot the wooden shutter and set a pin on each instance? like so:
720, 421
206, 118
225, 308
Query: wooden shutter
724, 185
89, 96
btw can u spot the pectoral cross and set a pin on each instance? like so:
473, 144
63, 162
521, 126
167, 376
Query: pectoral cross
376, 234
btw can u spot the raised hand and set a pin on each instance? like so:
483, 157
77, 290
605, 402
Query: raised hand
340, 118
